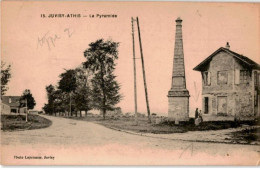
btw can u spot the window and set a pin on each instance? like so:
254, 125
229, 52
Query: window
13, 111
255, 98
206, 105
206, 78
258, 75
244, 76
237, 76
222, 77
256, 78
257, 83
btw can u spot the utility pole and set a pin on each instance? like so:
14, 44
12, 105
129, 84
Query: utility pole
135, 89
142, 58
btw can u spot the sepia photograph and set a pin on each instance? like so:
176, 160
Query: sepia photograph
130, 83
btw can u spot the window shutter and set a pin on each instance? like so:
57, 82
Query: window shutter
203, 77
237, 76
203, 106
208, 78
258, 79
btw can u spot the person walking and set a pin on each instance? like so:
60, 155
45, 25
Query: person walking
196, 113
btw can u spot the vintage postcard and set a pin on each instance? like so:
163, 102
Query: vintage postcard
130, 83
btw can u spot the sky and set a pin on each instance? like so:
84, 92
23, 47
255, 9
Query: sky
206, 27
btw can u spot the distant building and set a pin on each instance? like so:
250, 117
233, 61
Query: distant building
11, 104
116, 111
33, 111
230, 86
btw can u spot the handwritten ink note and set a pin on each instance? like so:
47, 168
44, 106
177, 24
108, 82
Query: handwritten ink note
50, 40
190, 146
68, 31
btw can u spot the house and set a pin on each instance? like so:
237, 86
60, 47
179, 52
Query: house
230, 86
11, 104
115, 111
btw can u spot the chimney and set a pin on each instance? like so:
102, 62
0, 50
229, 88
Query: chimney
227, 46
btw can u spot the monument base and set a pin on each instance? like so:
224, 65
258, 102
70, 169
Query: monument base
178, 108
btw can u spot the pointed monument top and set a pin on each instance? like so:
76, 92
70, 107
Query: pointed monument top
178, 74
178, 19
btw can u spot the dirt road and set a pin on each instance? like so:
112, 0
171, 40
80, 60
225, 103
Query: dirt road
79, 142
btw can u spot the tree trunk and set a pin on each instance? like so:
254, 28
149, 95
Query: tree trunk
104, 113
103, 90
70, 106
52, 111
80, 114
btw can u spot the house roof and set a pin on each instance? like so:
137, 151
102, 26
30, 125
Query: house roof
250, 63
14, 102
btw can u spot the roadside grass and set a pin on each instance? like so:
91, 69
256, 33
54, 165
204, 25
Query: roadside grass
247, 135
165, 127
17, 122
142, 126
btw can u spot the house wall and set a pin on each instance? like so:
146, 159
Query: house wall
5, 109
243, 94
239, 97
221, 62
256, 90
22, 110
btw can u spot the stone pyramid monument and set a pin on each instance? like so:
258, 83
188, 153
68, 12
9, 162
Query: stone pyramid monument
178, 95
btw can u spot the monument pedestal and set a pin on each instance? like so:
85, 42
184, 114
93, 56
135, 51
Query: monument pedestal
178, 101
